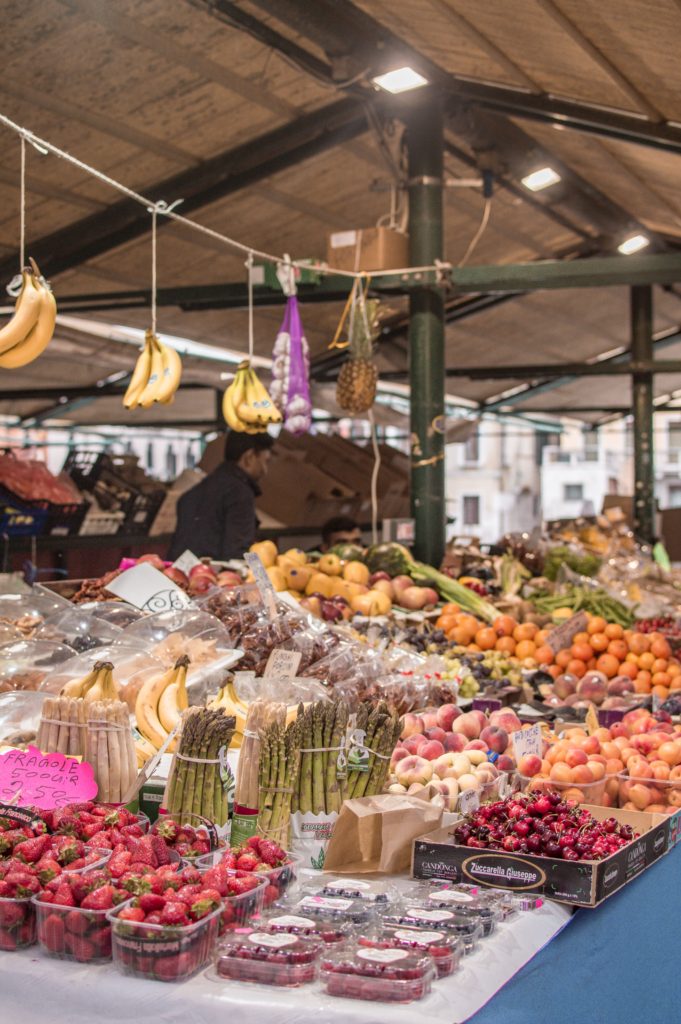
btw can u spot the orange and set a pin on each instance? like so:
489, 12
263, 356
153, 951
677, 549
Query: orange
641, 685
618, 648
576, 668
660, 691
591, 664
659, 665
555, 671
639, 643
541, 637
525, 649
504, 625
459, 635
450, 608
469, 622
526, 631
543, 655
599, 642
608, 664
505, 643
660, 648
646, 660
474, 648
633, 658
581, 638
486, 638
628, 668
596, 625
660, 680
446, 622
563, 657
614, 631
673, 668
676, 683
581, 651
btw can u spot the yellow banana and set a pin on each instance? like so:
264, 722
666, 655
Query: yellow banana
173, 701
148, 395
26, 312
143, 751
104, 687
140, 375
170, 375
38, 338
79, 687
233, 396
257, 407
146, 707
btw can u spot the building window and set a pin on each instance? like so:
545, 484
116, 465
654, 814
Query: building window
674, 439
573, 492
471, 510
675, 496
471, 451
591, 446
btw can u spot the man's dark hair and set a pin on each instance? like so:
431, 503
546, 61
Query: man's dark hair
337, 524
237, 444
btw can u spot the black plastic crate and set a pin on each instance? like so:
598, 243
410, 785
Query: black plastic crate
142, 512
65, 520
85, 467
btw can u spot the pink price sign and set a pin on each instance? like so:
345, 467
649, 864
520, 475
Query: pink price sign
33, 779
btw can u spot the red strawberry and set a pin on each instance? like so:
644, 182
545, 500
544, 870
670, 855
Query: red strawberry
154, 917
167, 829
51, 933
143, 852
131, 914
253, 843
82, 948
33, 849
67, 849
76, 922
247, 862
23, 883
271, 894
47, 868
63, 897
190, 874
170, 968
202, 908
200, 847
134, 831
238, 886
229, 860
150, 901
91, 829
119, 863
100, 899
11, 914
101, 940
174, 912
271, 854
160, 850
216, 879
5, 889
207, 893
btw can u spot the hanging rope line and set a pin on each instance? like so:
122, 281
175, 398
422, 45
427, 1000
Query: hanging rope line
154, 214
168, 210
249, 266
22, 207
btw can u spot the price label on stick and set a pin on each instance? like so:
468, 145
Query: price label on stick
42, 780
282, 663
469, 801
263, 582
186, 561
527, 741
563, 635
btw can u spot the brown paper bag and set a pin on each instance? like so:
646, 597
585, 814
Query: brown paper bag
375, 833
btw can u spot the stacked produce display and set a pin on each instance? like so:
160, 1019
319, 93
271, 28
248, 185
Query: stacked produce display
527, 715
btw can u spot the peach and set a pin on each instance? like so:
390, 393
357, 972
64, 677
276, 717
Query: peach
582, 775
414, 742
476, 756
505, 719
429, 720
612, 789
452, 793
565, 685
575, 757
639, 796
442, 764
476, 745
639, 769
461, 764
481, 717
413, 769
505, 763
467, 724
495, 737
431, 750
602, 735
592, 687
529, 765
675, 773
398, 753
411, 724
597, 769
646, 742
597, 757
397, 788
618, 729
560, 773
446, 714
590, 745
468, 781
670, 752
454, 741
609, 750
674, 797
436, 733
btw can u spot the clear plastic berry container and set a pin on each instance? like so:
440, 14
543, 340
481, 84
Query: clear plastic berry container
280, 879
594, 793
163, 952
445, 949
377, 892
661, 796
328, 929
270, 958
468, 905
335, 908
511, 903
386, 975
17, 923
72, 933
468, 928
239, 909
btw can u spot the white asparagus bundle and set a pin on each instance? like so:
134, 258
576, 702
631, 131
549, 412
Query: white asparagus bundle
62, 726
261, 714
110, 749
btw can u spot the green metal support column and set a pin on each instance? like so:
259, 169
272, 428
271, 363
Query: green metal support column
642, 398
426, 330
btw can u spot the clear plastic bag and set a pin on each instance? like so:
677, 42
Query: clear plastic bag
131, 667
117, 613
26, 663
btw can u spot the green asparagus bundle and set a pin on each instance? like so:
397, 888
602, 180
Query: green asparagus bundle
318, 788
278, 776
382, 728
195, 785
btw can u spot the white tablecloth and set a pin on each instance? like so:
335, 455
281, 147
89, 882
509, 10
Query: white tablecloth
37, 989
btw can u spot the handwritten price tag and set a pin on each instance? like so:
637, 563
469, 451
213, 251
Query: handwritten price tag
263, 582
527, 741
282, 663
148, 589
469, 801
44, 780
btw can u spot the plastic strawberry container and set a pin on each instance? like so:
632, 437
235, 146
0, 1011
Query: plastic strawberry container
328, 929
511, 903
163, 952
445, 949
335, 908
386, 975
468, 928
594, 793
72, 933
272, 959
378, 892
280, 879
238, 910
17, 923
95, 865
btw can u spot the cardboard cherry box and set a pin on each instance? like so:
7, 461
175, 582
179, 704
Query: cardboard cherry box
583, 883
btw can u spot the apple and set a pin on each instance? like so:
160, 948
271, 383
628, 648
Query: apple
431, 596
446, 714
436, 733
177, 576
454, 741
384, 587
415, 742
154, 560
201, 584
412, 598
411, 724
413, 769
431, 750
495, 737
468, 724
401, 583
201, 570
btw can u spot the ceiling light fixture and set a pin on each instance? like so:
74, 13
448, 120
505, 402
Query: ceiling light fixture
540, 179
633, 244
400, 80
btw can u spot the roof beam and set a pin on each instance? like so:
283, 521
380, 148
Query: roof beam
597, 272
601, 368
222, 175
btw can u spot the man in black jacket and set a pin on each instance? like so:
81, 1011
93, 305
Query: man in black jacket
217, 517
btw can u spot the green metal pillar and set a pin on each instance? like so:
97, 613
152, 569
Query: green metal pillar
642, 399
426, 330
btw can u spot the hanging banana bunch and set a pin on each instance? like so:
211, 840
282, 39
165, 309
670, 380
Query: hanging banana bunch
156, 376
246, 405
31, 327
